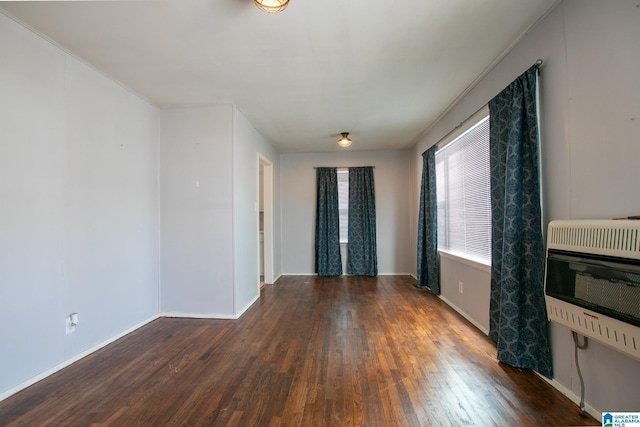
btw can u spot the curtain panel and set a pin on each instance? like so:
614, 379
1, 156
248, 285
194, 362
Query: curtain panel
327, 244
362, 258
428, 258
517, 318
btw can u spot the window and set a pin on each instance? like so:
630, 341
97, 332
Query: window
343, 204
463, 191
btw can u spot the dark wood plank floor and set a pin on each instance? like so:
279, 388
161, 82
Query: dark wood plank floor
311, 352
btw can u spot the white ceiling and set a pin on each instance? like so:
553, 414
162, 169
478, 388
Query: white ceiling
384, 71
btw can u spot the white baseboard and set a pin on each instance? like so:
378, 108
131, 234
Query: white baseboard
179, 314
246, 307
465, 315
223, 316
298, 274
73, 359
573, 397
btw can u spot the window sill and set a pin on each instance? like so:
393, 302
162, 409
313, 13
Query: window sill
470, 262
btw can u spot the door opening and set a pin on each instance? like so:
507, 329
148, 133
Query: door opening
265, 221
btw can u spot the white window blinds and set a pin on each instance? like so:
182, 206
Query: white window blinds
343, 204
464, 198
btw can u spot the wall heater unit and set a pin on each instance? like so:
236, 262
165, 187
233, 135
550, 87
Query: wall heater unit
592, 282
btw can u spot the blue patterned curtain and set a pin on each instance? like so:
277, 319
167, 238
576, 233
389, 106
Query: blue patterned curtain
428, 258
328, 260
517, 318
362, 249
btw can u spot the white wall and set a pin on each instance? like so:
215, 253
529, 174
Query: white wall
590, 102
247, 143
603, 104
298, 198
78, 223
209, 190
465, 285
196, 162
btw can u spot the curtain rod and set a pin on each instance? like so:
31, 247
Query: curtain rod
344, 167
538, 64
440, 143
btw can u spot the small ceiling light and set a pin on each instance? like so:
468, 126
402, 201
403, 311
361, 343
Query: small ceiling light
272, 6
344, 141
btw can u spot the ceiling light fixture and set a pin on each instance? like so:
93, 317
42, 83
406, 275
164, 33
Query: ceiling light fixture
272, 6
344, 141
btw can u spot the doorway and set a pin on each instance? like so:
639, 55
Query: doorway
265, 221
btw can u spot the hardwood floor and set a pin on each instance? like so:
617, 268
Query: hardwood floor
311, 352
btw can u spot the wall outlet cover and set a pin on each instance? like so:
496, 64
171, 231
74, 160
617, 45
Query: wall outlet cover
69, 328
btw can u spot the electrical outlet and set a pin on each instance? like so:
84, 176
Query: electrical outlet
69, 328
71, 321
460, 287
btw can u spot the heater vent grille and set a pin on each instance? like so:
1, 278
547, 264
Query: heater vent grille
604, 237
616, 334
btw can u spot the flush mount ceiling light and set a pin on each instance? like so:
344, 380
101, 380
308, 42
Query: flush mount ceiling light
344, 141
272, 6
